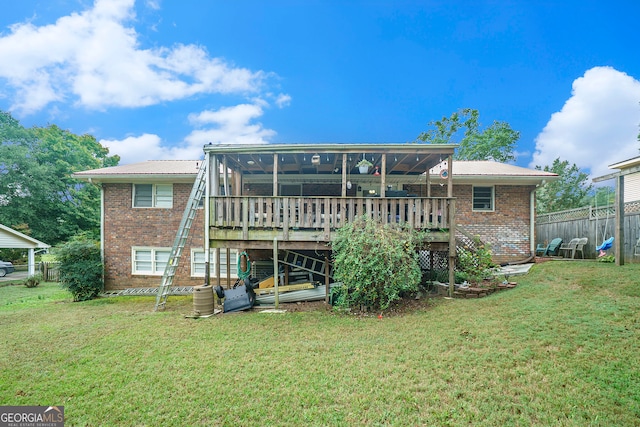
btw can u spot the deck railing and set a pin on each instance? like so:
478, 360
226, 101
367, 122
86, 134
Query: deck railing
326, 212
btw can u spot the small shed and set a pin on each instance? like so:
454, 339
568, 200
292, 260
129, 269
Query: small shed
12, 239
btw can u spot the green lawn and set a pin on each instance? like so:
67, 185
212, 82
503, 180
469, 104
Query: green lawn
561, 349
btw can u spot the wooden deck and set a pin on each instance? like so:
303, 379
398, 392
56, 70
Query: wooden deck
299, 221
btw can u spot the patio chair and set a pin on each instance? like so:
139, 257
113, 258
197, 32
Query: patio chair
580, 246
551, 249
565, 248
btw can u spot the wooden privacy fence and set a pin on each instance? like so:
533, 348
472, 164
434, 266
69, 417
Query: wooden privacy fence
596, 224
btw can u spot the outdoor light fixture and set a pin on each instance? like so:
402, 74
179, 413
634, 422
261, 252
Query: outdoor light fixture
315, 159
251, 162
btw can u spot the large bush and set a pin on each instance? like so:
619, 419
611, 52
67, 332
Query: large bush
81, 268
375, 263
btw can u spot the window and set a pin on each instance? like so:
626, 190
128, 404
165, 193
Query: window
197, 262
151, 261
483, 199
152, 195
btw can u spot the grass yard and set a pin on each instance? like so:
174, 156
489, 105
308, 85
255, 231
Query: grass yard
561, 349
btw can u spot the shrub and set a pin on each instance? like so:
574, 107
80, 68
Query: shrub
607, 258
476, 264
375, 263
33, 281
81, 268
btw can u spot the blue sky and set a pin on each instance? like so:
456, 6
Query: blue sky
156, 79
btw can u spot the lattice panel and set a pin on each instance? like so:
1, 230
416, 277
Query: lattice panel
600, 212
440, 260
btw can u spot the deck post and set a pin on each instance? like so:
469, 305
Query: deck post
452, 246
207, 219
326, 277
449, 177
275, 272
618, 239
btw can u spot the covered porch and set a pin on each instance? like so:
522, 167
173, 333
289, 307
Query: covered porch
295, 196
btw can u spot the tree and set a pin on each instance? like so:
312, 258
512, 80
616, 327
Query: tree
601, 196
496, 142
37, 191
568, 192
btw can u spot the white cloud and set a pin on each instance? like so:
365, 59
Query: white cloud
94, 59
283, 100
597, 126
227, 125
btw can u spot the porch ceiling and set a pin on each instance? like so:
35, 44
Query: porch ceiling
296, 159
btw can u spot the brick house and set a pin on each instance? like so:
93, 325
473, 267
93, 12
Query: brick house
299, 194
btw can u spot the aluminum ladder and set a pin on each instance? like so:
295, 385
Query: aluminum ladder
307, 263
164, 290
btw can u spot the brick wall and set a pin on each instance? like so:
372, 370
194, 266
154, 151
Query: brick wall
506, 229
126, 227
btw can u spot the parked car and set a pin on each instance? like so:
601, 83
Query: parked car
6, 268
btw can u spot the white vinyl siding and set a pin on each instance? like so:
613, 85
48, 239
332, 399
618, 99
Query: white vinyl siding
197, 263
151, 261
153, 196
632, 187
483, 199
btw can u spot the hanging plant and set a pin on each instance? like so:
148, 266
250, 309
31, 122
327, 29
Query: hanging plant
364, 165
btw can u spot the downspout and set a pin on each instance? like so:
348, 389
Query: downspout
532, 221
101, 228
532, 230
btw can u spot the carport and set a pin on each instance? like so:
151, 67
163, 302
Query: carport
12, 239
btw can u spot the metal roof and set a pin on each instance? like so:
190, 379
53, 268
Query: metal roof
185, 171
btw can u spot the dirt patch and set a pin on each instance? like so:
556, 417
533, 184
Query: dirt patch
398, 308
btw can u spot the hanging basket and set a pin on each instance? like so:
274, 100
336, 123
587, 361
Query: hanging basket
363, 169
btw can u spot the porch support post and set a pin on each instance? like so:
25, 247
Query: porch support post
618, 238
452, 246
208, 191
225, 175
237, 183
452, 228
275, 175
449, 177
383, 175
344, 175
31, 262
